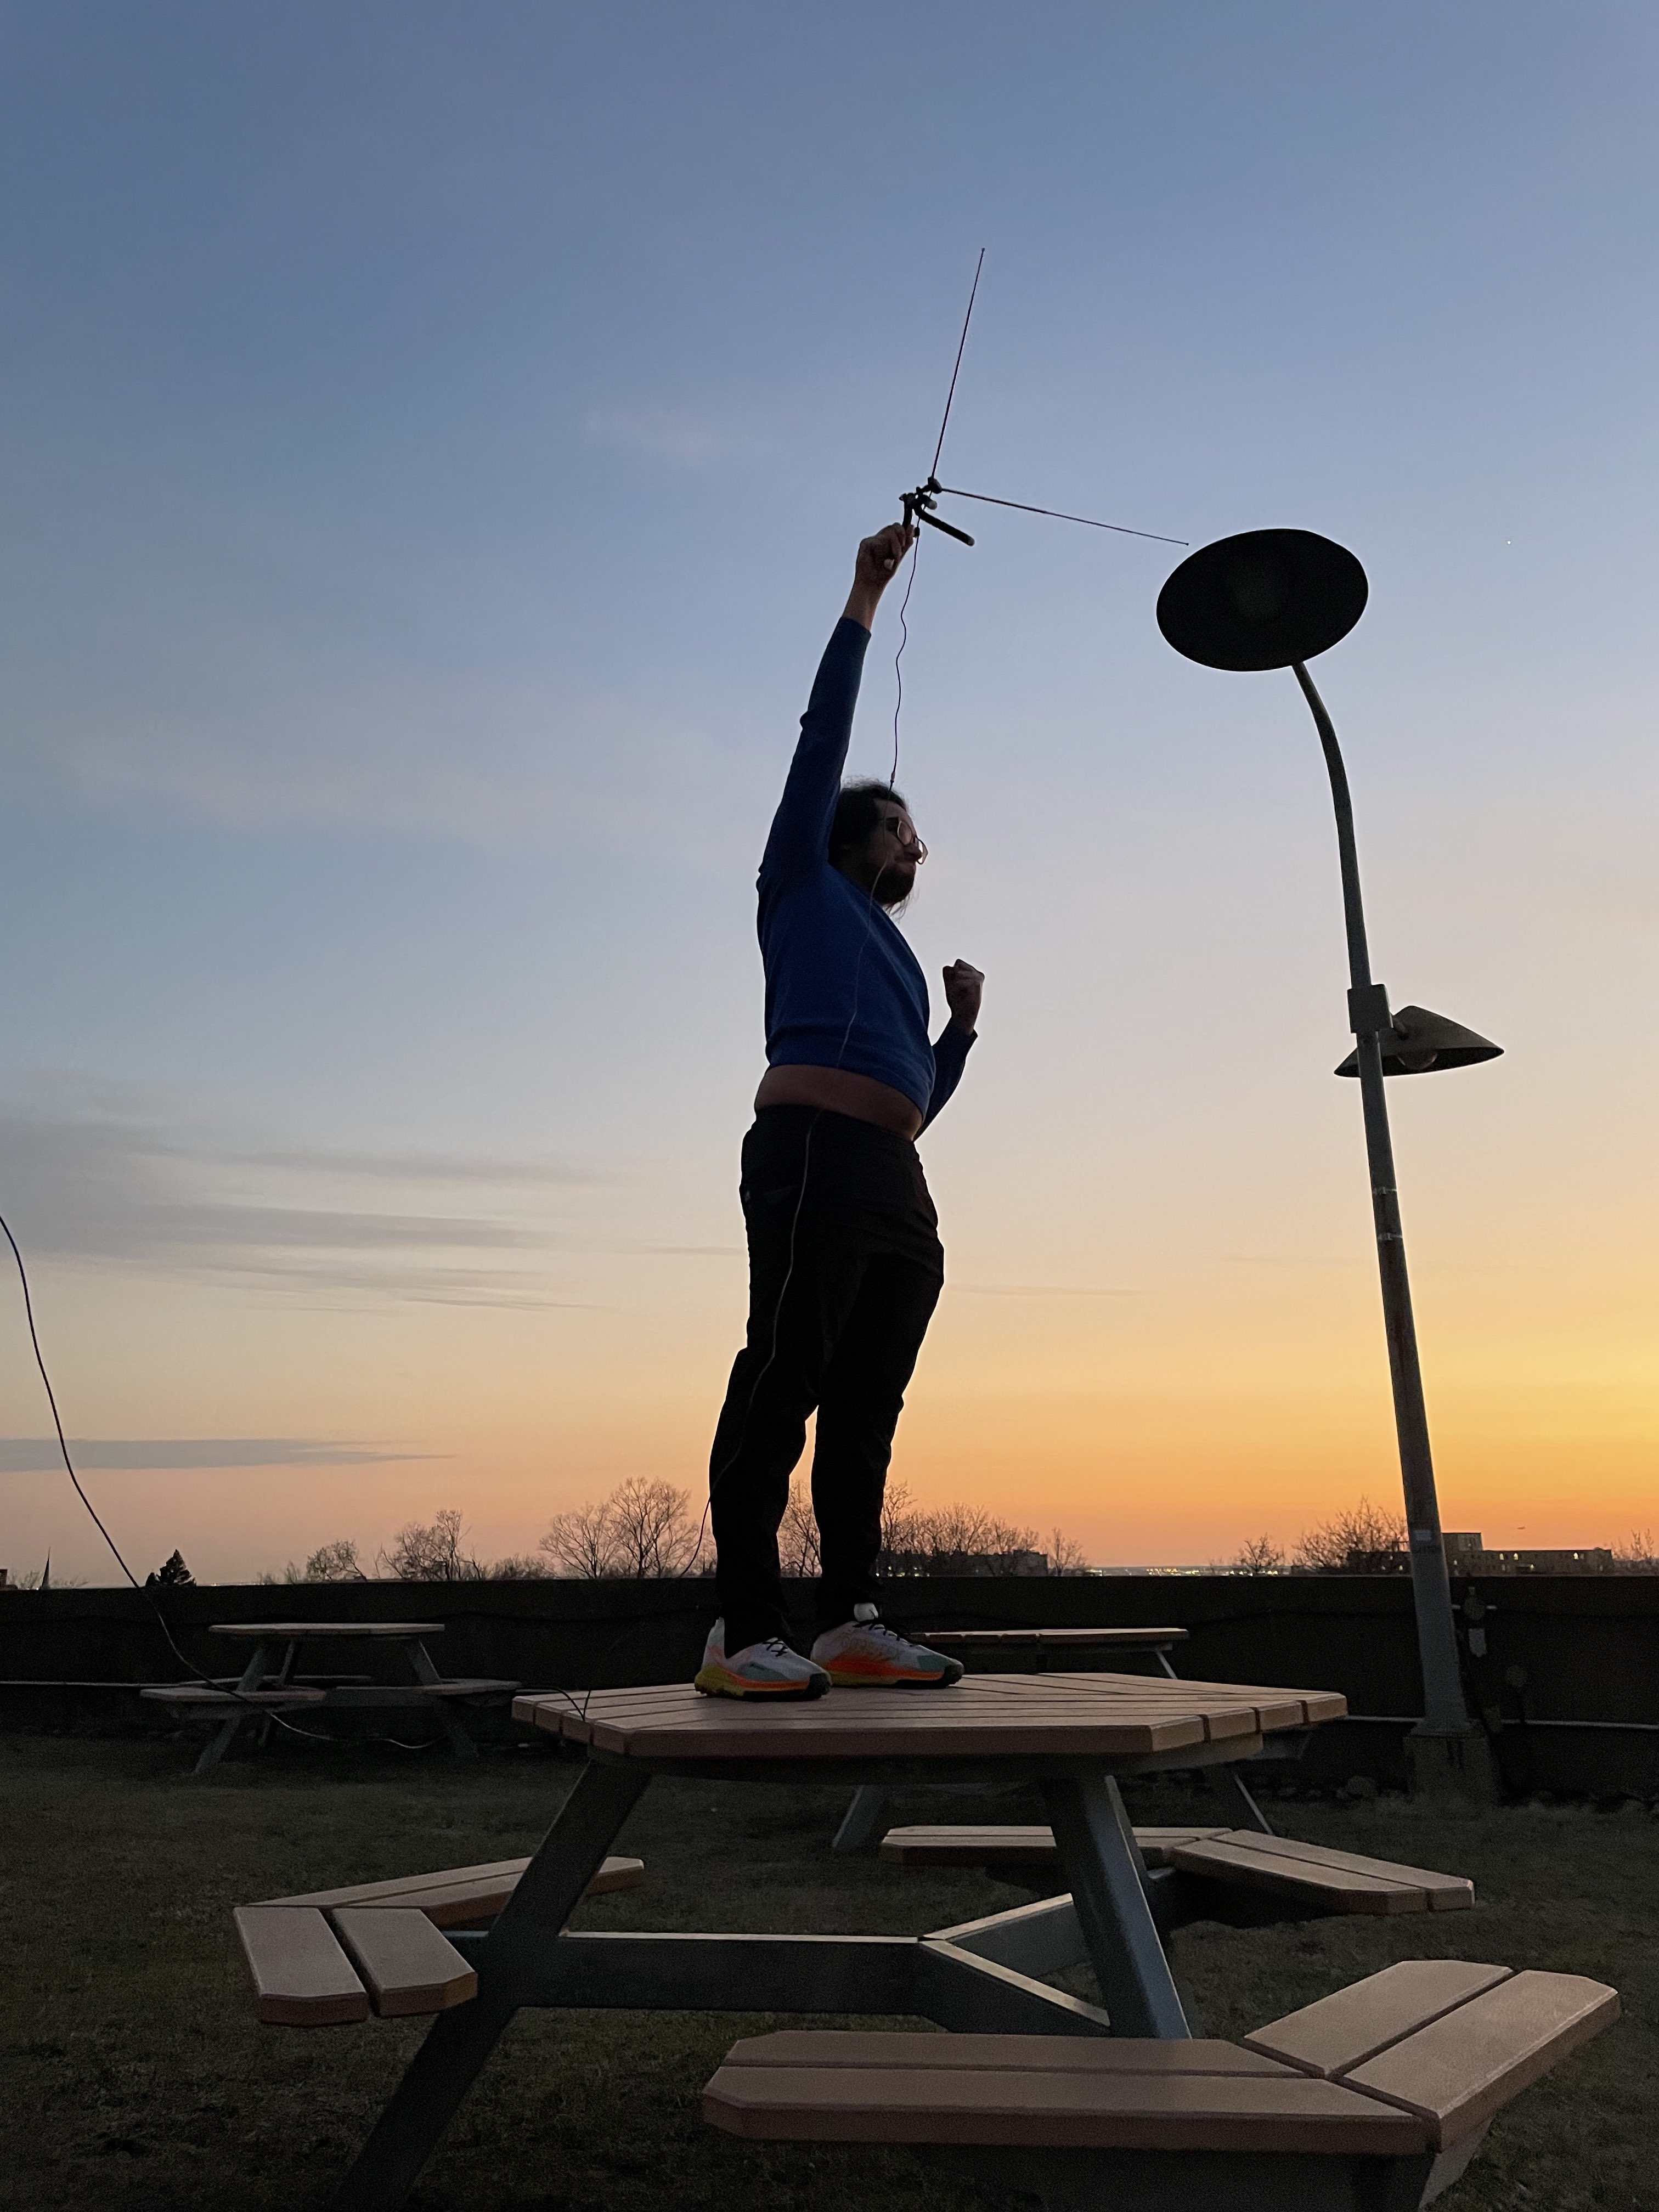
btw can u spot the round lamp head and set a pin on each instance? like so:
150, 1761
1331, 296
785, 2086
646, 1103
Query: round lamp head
1262, 601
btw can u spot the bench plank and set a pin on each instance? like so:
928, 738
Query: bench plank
1446, 1892
970, 1846
1330, 1889
407, 1966
196, 1693
1455, 2073
456, 1897
297, 1631
966, 1844
462, 1686
1166, 2110
931, 2051
301, 1978
1344, 2030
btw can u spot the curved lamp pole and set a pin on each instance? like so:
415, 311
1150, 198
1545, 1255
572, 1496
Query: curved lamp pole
1273, 598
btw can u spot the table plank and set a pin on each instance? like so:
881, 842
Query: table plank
989, 1716
1084, 1639
1222, 1718
1273, 1709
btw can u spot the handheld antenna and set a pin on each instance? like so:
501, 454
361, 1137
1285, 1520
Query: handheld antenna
957, 368
918, 504
1123, 530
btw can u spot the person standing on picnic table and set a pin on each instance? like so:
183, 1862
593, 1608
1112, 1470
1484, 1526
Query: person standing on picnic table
845, 1263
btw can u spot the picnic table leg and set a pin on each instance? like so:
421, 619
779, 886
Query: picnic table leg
252, 1676
1107, 1877
445, 2067
1258, 1820
865, 1821
268, 1721
460, 1742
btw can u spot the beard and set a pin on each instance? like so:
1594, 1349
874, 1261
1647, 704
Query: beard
892, 888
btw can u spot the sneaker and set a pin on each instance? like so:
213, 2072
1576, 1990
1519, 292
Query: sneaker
864, 1653
770, 1669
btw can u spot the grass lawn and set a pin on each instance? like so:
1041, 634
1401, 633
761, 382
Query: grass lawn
133, 2073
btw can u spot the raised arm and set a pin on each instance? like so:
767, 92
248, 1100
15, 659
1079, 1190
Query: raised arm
874, 570
800, 828
965, 984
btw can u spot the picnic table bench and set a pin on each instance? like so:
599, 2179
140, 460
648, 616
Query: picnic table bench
331, 1956
1372, 2099
1235, 1874
268, 1686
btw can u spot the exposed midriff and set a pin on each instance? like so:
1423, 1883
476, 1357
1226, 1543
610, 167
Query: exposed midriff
838, 1090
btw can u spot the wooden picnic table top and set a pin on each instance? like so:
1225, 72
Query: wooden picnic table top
982, 1717
254, 1631
1073, 1639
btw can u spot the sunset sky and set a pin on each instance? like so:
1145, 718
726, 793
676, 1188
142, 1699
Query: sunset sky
433, 446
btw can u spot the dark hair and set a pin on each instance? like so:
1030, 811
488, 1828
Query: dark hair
858, 810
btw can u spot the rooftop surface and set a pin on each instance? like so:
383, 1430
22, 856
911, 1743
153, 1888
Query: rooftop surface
135, 2076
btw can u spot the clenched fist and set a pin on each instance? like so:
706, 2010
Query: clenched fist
875, 568
962, 988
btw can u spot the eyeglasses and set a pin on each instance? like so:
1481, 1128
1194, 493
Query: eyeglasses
897, 826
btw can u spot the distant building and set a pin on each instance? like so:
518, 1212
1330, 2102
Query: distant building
1466, 1554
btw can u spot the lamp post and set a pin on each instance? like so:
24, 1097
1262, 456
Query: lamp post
1274, 599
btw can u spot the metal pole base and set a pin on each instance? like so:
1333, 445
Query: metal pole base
1452, 1764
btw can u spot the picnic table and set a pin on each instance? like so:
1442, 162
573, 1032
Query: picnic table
1069, 1734
1039, 1649
269, 1684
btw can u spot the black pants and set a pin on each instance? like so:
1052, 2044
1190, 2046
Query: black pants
845, 1268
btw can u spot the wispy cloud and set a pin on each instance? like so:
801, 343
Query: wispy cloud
669, 434
40, 1454
102, 1189
537, 762
422, 1167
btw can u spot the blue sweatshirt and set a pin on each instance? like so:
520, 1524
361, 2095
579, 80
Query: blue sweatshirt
843, 989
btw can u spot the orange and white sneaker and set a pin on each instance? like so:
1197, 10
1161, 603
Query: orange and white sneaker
770, 1669
864, 1654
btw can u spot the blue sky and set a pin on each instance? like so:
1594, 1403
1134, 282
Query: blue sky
432, 445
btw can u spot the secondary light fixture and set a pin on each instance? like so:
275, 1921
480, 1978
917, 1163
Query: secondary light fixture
1417, 1041
1274, 599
